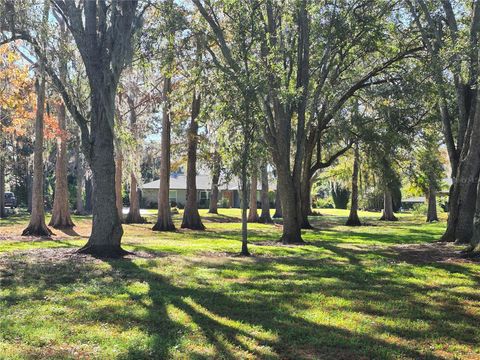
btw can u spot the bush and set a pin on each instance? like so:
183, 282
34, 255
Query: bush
224, 203
324, 203
340, 195
420, 209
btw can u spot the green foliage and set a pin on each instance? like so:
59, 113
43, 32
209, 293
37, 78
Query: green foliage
324, 203
340, 195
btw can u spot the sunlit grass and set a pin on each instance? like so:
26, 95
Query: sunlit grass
343, 295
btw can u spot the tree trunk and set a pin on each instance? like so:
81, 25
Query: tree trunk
244, 200
353, 219
213, 208
463, 199
252, 213
29, 182
80, 175
107, 230
134, 216
118, 182
388, 206
432, 205
292, 233
3, 212
305, 187
88, 195
278, 204
37, 226
265, 215
164, 218
61, 213
305, 202
475, 240
191, 217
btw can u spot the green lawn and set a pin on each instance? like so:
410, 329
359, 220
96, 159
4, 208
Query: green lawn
378, 292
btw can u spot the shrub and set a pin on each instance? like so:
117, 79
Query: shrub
324, 203
420, 209
224, 203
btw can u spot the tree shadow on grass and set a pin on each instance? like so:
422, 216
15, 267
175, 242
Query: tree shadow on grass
232, 317
225, 320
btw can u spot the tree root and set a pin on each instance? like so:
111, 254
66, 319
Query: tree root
104, 251
37, 230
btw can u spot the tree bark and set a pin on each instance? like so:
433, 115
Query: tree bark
353, 219
80, 175
305, 188
213, 207
164, 218
388, 206
37, 226
265, 214
3, 212
118, 182
475, 240
305, 202
244, 200
88, 195
432, 205
107, 230
463, 197
134, 216
61, 213
278, 204
191, 217
288, 195
252, 213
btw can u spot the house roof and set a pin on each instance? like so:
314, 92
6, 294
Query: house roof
419, 199
204, 182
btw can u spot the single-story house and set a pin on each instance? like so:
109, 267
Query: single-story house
410, 202
228, 191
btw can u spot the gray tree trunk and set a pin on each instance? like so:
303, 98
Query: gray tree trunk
61, 210
278, 204
118, 182
164, 217
463, 197
213, 207
388, 214
432, 205
475, 240
353, 219
134, 216
3, 212
191, 217
80, 175
244, 193
265, 214
37, 225
253, 213
88, 195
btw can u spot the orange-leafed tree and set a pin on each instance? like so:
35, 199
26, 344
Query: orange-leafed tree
16, 110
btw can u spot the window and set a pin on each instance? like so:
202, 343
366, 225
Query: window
204, 195
172, 195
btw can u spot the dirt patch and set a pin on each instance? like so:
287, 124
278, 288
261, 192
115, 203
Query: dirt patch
430, 253
276, 243
62, 255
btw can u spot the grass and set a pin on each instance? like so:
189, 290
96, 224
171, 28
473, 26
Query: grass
350, 293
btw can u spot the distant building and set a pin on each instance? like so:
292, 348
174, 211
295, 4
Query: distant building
228, 191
